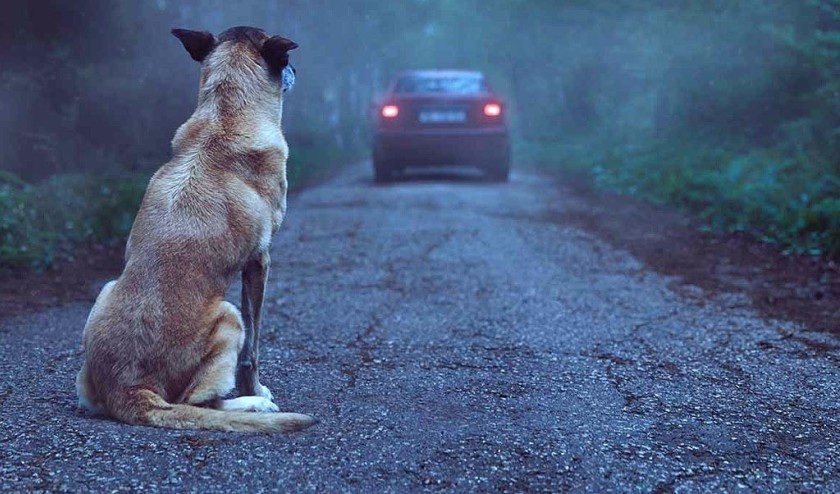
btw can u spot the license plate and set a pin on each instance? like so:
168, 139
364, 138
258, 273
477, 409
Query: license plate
442, 116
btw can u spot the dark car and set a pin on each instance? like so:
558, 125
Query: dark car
441, 117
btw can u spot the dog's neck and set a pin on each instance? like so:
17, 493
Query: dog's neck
238, 108
237, 89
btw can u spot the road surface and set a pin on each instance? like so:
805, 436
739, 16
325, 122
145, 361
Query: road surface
459, 335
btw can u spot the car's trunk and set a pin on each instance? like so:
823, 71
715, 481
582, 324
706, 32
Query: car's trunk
441, 111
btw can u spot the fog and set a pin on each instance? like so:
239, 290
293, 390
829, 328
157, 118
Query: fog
96, 85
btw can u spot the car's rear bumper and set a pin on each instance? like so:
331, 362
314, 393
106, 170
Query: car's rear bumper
430, 147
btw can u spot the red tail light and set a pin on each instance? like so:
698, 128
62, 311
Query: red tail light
492, 109
390, 111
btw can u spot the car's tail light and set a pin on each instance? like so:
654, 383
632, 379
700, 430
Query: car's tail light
390, 111
492, 109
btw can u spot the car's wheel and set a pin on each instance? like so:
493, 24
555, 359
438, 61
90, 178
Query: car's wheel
382, 176
382, 169
498, 171
498, 175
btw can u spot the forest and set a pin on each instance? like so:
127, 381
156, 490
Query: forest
727, 110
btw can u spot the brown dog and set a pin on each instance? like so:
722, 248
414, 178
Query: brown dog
162, 347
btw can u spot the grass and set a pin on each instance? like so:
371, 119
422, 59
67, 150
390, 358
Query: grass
791, 201
43, 223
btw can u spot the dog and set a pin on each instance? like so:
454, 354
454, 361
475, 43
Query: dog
161, 345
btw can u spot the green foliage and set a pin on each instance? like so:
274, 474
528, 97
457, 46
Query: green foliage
739, 124
39, 224
791, 202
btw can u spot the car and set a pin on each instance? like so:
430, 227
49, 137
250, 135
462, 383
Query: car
440, 117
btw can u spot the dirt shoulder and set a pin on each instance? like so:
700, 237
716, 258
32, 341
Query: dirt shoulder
797, 288
24, 291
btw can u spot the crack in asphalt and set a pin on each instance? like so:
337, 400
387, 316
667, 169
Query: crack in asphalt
364, 352
5, 395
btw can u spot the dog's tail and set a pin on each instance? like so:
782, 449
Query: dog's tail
156, 412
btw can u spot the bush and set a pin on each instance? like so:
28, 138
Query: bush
40, 223
789, 200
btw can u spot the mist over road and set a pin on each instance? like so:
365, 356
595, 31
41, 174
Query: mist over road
461, 335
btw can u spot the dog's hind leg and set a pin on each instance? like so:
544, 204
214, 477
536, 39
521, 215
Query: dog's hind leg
216, 375
254, 277
85, 391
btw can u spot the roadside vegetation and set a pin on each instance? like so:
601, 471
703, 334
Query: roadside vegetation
774, 196
41, 223
730, 113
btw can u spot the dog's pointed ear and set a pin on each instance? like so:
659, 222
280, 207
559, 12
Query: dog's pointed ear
199, 44
275, 51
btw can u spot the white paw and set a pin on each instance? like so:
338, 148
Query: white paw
264, 405
264, 392
249, 404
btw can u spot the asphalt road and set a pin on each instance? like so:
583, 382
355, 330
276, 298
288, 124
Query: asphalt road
448, 337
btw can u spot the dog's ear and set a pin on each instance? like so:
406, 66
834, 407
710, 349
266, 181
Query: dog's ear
199, 44
275, 51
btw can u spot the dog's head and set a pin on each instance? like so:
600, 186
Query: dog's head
243, 49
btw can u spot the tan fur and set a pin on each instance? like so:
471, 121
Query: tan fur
160, 344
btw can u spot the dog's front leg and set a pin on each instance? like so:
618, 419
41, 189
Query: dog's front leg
254, 277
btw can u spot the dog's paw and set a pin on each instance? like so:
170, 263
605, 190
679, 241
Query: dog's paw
249, 404
265, 405
264, 392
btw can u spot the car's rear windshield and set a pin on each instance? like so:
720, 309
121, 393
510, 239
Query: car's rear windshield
449, 85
